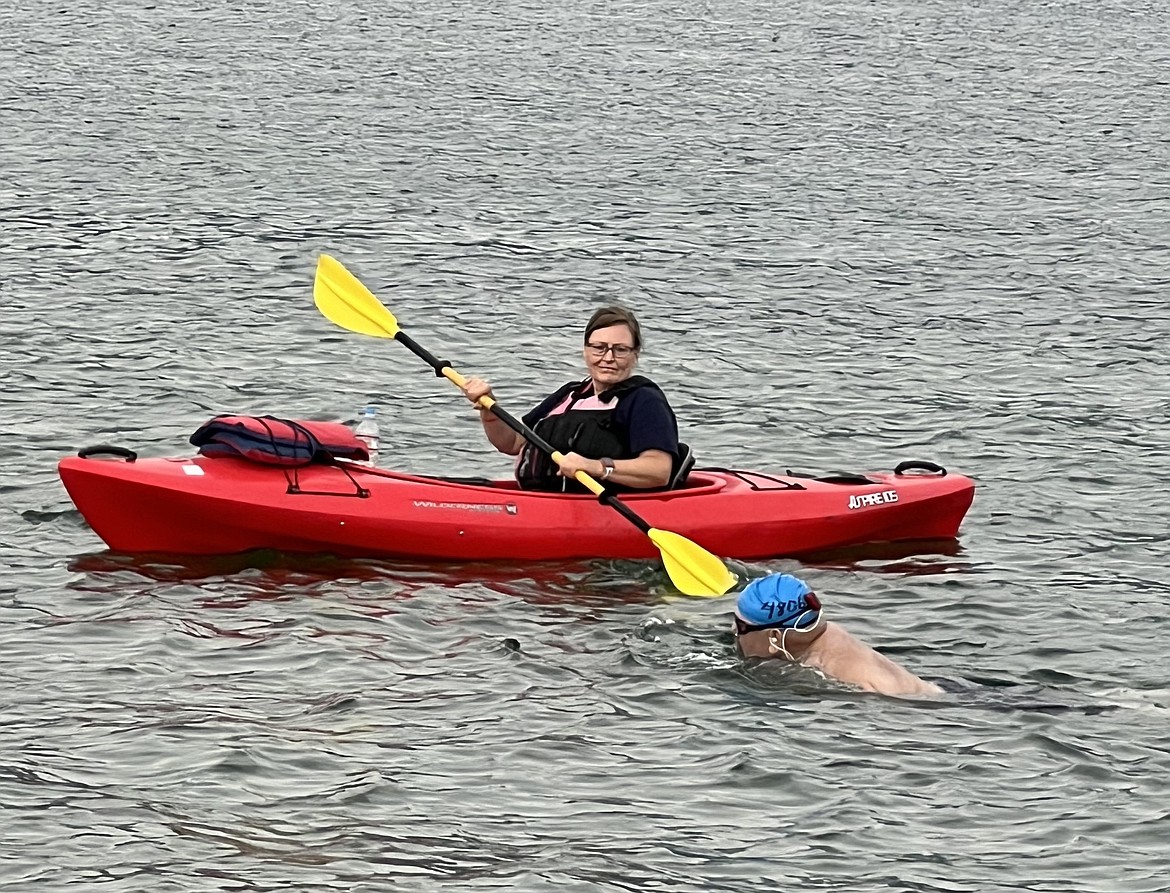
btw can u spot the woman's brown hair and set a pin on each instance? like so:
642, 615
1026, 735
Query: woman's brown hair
615, 316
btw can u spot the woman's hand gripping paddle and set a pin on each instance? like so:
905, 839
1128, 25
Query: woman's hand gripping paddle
342, 299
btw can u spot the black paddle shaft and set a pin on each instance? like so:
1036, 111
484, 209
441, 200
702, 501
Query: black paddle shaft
502, 414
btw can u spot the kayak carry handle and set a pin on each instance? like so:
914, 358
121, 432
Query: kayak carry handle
919, 465
106, 449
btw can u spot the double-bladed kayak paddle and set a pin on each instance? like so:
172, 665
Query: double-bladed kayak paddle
344, 300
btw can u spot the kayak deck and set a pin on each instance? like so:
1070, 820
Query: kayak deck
207, 506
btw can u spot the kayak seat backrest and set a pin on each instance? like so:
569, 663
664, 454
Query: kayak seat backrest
682, 467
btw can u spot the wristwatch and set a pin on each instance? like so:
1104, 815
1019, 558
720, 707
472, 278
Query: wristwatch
607, 467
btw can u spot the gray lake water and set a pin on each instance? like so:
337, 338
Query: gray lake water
856, 233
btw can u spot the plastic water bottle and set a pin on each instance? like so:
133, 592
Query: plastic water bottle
367, 432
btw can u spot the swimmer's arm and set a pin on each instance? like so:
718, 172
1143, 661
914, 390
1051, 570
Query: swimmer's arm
896, 681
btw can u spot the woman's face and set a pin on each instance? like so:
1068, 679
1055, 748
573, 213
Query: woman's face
610, 356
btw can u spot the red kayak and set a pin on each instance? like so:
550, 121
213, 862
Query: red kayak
206, 505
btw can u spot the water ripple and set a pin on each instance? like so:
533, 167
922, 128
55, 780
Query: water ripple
855, 233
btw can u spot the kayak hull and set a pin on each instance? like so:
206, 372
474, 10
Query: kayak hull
208, 506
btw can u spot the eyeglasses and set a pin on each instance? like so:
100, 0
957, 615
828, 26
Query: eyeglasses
600, 349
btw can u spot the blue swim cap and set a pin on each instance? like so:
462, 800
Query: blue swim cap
778, 601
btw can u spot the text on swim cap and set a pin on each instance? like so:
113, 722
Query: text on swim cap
780, 609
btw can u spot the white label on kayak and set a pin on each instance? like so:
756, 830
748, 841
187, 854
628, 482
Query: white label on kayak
192, 469
859, 502
466, 506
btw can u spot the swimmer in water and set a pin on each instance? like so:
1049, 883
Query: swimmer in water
778, 616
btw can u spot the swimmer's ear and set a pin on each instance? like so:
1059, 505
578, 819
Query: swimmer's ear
775, 641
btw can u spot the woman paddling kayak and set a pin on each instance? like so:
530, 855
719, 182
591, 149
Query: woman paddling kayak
615, 426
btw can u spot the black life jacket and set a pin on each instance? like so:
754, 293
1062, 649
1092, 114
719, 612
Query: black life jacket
592, 433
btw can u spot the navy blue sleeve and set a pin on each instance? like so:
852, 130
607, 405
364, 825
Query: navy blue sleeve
647, 416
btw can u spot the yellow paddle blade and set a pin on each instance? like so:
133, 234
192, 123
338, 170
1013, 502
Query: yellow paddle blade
342, 299
692, 569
